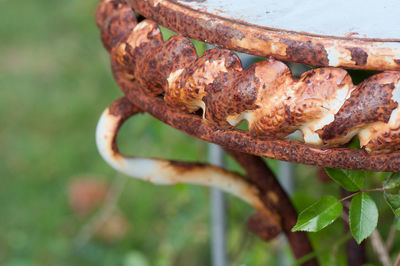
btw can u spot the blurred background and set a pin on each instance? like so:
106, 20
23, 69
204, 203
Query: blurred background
61, 204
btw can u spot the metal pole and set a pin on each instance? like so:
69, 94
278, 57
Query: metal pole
218, 209
218, 212
286, 174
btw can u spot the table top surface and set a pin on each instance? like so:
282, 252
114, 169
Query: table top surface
343, 33
367, 19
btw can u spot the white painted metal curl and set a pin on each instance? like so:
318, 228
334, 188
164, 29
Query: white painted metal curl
164, 172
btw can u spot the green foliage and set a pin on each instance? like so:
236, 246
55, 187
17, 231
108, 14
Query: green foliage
167, 33
392, 182
363, 213
363, 216
394, 202
351, 180
199, 46
319, 215
391, 188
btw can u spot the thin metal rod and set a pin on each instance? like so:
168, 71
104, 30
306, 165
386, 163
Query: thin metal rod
286, 179
286, 176
218, 212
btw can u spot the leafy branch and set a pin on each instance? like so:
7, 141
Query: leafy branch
363, 212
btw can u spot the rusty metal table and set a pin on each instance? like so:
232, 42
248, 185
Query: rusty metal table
309, 119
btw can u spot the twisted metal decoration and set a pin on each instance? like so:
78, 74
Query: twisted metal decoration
145, 59
323, 104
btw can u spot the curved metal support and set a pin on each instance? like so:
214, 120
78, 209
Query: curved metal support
277, 199
165, 172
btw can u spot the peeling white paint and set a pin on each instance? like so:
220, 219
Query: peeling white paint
173, 76
235, 120
309, 135
329, 109
141, 25
156, 3
394, 121
333, 55
336, 56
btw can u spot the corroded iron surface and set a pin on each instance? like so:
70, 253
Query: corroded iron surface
323, 103
285, 45
285, 150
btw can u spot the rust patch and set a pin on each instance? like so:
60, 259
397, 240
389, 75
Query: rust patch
265, 228
182, 166
123, 108
115, 20
359, 56
306, 52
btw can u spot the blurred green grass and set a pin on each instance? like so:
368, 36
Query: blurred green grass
55, 82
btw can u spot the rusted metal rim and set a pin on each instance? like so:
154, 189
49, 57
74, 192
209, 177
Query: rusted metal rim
368, 54
238, 140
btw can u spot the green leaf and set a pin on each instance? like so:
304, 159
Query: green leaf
363, 216
199, 46
351, 180
394, 202
391, 187
319, 215
166, 33
392, 182
355, 143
